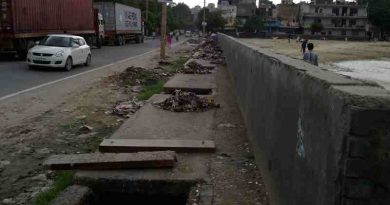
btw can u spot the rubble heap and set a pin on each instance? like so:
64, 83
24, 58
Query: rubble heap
187, 102
139, 76
127, 108
209, 51
195, 68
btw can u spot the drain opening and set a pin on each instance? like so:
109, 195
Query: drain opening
138, 191
139, 198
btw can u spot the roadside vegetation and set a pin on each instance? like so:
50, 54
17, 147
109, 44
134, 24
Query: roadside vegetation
62, 181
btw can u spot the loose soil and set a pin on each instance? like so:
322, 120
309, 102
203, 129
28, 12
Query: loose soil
329, 51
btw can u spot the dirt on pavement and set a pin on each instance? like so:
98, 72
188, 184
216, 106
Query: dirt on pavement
329, 51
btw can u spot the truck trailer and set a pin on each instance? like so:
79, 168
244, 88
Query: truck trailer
121, 23
23, 22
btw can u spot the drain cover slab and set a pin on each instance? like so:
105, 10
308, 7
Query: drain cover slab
106, 161
137, 145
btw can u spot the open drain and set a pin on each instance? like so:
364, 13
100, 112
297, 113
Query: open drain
104, 191
139, 198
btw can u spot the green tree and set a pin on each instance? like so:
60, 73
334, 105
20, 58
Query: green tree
379, 13
254, 24
214, 20
316, 27
182, 14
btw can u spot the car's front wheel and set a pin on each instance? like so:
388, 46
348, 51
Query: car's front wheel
88, 60
69, 64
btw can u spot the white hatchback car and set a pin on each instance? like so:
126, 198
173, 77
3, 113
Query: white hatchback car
60, 51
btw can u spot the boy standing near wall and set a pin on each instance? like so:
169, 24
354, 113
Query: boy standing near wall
310, 56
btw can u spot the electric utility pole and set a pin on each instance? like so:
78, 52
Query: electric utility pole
163, 28
147, 10
204, 24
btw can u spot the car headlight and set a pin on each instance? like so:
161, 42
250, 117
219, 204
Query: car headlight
59, 54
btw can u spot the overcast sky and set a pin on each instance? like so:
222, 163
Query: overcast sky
193, 3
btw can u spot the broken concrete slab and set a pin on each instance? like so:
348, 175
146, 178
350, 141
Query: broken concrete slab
73, 195
199, 84
99, 161
140, 145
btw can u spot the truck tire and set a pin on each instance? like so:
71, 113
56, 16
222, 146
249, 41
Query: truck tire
22, 54
118, 40
99, 42
138, 39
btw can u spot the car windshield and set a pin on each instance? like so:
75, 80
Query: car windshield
56, 41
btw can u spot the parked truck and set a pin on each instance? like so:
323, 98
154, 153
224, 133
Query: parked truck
121, 23
23, 22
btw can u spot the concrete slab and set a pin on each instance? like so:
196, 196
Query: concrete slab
97, 161
190, 170
199, 84
141, 145
151, 122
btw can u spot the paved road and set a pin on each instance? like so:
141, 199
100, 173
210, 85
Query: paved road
15, 76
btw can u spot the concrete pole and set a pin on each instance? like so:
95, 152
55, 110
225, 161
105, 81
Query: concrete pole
204, 17
163, 30
147, 10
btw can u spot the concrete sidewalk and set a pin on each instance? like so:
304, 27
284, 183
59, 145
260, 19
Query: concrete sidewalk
230, 172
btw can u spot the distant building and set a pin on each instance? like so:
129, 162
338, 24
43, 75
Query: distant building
229, 13
288, 15
211, 7
321, 1
266, 9
339, 19
195, 11
287, 2
245, 9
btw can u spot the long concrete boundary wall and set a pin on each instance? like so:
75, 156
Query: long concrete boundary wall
319, 138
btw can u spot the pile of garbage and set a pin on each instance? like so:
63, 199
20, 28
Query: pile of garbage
208, 50
127, 108
187, 102
196, 68
133, 76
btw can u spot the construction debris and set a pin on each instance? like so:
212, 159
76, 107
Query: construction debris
85, 129
194, 67
136, 76
187, 102
127, 108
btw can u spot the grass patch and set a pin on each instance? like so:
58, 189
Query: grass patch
95, 141
63, 180
72, 124
150, 90
176, 65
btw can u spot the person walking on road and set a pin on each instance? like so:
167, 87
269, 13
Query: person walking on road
310, 56
169, 39
177, 34
304, 45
